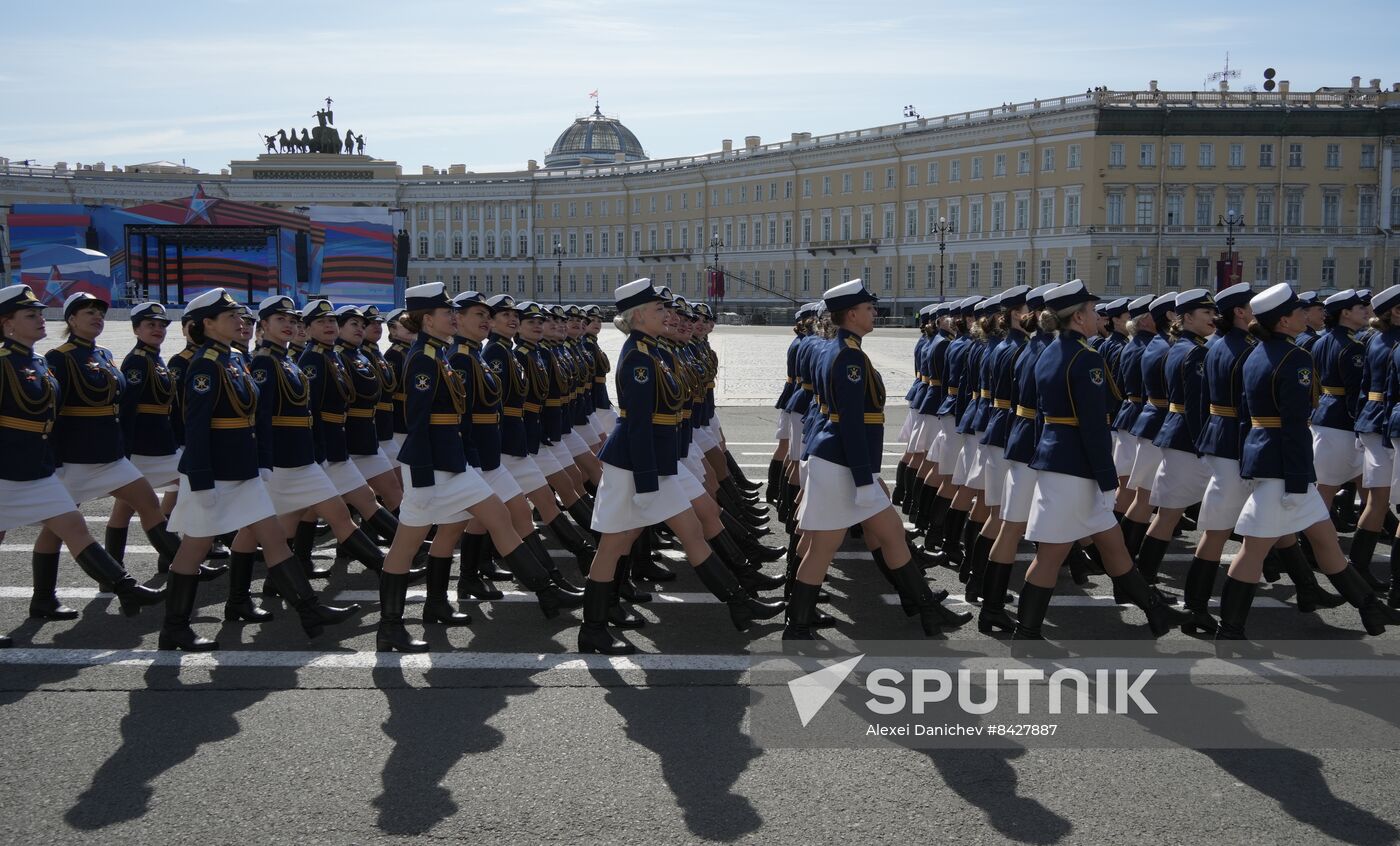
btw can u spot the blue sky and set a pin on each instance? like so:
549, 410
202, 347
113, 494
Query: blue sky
491, 85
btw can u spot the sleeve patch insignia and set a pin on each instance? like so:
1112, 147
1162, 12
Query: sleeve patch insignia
1357, 361
422, 382
1305, 376
310, 371
134, 376
496, 365
854, 372
1096, 376
260, 376
201, 383
1200, 368
641, 375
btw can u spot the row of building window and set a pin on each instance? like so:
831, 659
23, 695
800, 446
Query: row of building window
1205, 155
932, 172
1204, 211
956, 276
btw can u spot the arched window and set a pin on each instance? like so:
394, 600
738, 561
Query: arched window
474, 245
490, 244
440, 245
505, 244
423, 245
525, 244
457, 245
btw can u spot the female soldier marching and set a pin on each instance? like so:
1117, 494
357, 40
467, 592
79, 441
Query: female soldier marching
1279, 377
30, 491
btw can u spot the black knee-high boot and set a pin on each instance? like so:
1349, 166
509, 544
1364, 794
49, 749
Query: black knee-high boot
43, 603
535, 544
470, 582
103, 569
175, 632
530, 573
358, 547
114, 541
437, 608
981, 547
594, 635
626, 587
952, 531
934, 616
971, 529
1311, 595
775, 469
1161, 617
751, 578
1030, 613
303, 542
801, 611
996, 578
644, 564
1375, 616
391, 635
574, 541
743, 608
901, 483
1200, 584
1362, 552
240, 606
582, 514
1133, 533
296, 589
1149, 561
1236, 597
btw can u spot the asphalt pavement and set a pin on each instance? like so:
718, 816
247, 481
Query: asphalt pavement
501, 734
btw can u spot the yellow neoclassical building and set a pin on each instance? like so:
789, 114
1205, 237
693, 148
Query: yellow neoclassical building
1126, 190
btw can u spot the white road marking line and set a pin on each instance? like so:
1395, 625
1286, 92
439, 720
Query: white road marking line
1200, 667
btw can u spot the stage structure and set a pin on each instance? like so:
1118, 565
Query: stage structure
172, 251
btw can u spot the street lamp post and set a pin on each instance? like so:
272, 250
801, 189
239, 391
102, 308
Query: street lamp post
1228, 222
715, 297
558, 272
942, 228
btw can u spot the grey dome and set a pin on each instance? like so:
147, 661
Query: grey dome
597, 137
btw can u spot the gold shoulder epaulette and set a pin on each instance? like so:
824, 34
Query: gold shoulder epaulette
852, 344
63, 348
211, 355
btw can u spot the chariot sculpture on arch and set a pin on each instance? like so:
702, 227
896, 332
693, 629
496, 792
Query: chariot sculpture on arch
323, 138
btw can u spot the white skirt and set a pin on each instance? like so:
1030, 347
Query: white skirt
615, 510
545, 460
1225, 495
295, 489
561, 454
372, 465
783, 429
993, 476
227, 507
1264, 516
162, 471
1145, 464
690, 479
390, 449
1065, 509
525, 471
607, 419
938, 448
1336, 456
977, 467
962, 450
829, 500
1377, 461
1124, 451
1020, 492
25, 503
705, 439
575, 444
87, 482
444, 502
1180, 480
344, 475
924, 429
502, 483
906, 431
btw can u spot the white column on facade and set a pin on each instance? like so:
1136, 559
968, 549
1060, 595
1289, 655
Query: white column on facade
1387, 174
